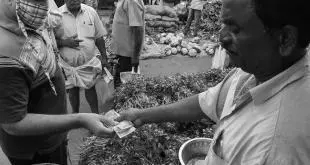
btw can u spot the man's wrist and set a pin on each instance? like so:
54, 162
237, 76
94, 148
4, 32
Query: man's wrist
141, 116
61, 43
103, 57
79, 121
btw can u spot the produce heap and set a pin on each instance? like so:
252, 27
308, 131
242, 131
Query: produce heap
160, 18
154, 143
209, 26
164, 28
176, 44
210, 23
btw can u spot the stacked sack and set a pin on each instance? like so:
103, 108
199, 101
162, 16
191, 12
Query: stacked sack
160, 18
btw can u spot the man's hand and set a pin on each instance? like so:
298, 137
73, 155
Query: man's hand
131, 115
97, 124
104, 61
71, 42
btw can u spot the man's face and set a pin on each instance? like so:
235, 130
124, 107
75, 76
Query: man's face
243, 36
73, 5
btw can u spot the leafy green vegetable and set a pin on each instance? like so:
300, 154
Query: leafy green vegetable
153, 144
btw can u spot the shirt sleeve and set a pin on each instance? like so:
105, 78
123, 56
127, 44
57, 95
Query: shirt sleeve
14, 94
100, 31
287, 155
208, 100
54, 18
135, 13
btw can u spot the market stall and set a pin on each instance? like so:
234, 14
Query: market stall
155, 143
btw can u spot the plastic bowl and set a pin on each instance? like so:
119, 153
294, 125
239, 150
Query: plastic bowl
194, 148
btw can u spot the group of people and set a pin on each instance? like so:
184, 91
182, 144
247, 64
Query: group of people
47, 52
261, 108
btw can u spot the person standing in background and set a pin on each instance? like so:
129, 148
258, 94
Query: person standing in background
91, 3
80, 33
128, 35
194, 14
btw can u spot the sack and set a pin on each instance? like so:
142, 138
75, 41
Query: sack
127, 76
160, 10
151, 17
220, 59
169, 19
181, 8
153, 51
105, 92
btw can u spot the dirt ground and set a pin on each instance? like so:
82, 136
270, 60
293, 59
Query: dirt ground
152, 67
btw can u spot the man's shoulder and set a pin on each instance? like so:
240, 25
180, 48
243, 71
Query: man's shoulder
300, 89
138, 2
7, 62
88, 8
62, 8
13, 69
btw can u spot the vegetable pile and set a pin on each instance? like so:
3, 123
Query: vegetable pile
211, 23
178, 45
160, 24
160, 18
154, 143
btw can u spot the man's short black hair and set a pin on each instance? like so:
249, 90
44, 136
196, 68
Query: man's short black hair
277, 13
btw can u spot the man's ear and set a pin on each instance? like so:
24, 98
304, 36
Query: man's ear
288, 38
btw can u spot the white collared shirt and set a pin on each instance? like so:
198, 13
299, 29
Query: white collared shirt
128, 13
272, 127
87, 26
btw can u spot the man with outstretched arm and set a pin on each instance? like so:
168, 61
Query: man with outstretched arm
262, 107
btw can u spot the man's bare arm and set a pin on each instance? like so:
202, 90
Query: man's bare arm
100, 43
184, 110
39, 124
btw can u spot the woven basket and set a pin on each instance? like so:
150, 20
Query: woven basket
197, 147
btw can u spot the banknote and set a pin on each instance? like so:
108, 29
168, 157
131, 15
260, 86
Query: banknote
123, 128
122, 133
123, 125
111, 115
108, 76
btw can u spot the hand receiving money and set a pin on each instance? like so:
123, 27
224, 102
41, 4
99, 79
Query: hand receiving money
123, 128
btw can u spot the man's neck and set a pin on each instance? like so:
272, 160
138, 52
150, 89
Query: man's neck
261, 78
287, 62
75, 12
